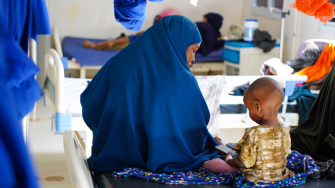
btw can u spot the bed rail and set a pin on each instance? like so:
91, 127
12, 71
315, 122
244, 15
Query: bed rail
55, 79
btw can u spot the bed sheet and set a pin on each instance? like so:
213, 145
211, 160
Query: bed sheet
72, 48
215, 56
73, 89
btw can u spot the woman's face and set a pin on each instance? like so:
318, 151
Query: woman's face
205, 19
190, 53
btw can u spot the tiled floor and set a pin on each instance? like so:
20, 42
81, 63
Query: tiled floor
48, 152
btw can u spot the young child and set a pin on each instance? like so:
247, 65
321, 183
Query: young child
263, 149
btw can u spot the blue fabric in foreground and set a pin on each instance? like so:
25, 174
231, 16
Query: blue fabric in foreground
145, 107
301, 165
22, 19
131, 13
19, 90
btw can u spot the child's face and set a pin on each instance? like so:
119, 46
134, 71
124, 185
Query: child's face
253, 107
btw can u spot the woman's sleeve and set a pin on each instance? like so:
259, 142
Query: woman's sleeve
248, 148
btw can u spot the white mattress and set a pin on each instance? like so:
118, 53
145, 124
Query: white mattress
73, 89
75, 86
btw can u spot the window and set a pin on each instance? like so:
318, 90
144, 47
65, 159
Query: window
328, 27
268, 8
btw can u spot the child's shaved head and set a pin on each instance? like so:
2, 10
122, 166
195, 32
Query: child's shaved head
266, 89
266, 94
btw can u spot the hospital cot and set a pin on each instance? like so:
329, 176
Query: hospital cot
81, 176
85, 60
63, 94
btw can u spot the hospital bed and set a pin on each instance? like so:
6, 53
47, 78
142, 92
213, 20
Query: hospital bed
63, 94
87, 60
81, 177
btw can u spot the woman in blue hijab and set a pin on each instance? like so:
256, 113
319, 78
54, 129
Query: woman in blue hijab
145, 107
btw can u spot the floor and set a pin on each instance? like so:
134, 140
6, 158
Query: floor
47, 150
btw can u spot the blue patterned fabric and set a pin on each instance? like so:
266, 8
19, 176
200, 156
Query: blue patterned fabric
131, 13
301, 165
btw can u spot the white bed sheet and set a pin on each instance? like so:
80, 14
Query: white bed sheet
73, 89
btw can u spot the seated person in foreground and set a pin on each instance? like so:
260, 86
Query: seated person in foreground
263, 149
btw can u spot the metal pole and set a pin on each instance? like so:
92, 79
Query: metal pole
283, 15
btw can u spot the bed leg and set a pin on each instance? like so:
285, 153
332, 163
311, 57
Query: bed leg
82, 73
88, 144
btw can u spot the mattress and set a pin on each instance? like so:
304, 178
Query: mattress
229, 104
73, 89
72, 48
215, 56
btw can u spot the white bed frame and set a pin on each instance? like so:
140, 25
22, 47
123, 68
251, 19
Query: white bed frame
55, 96
228, 121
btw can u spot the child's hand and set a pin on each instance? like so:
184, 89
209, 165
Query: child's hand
218, 140
228, 156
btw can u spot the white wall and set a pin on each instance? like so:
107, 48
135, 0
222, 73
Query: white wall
264, 24
95, 19
307, 28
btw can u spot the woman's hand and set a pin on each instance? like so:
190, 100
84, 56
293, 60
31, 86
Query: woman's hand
218, 140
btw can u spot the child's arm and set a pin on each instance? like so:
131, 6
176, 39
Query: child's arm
234, 162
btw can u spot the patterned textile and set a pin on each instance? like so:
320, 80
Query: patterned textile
211, 87
327, 168
321, 44
301, 165
263, 151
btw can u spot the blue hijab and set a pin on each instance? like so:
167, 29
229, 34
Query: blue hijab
145, 107
131, 14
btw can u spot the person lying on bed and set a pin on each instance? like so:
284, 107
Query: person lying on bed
145, 107
264, 148
123, 41
210, 34
115, 44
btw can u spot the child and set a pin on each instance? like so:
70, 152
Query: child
264, 148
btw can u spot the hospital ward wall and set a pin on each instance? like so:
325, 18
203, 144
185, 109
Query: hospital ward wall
95, 19
307, 28
264, 23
